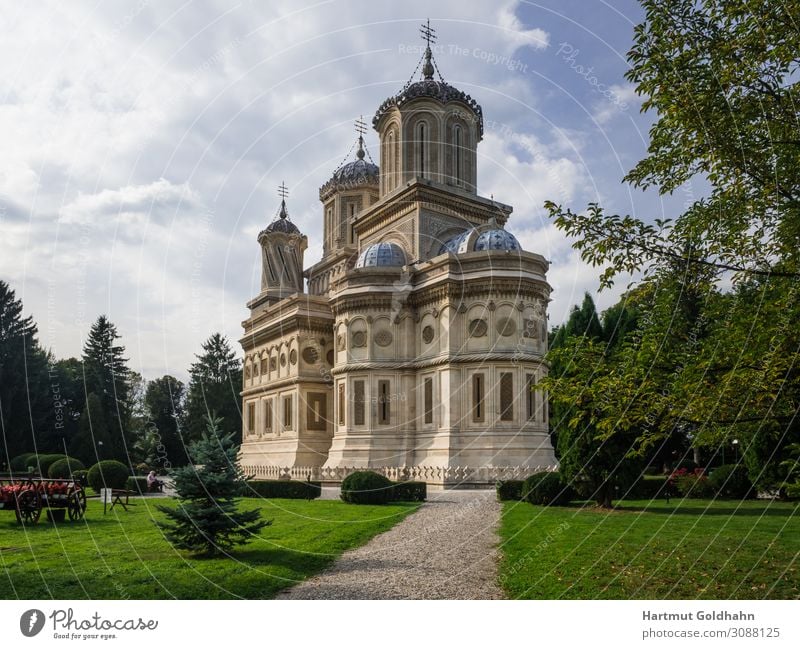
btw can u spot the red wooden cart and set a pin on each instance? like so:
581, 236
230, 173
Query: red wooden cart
28, 496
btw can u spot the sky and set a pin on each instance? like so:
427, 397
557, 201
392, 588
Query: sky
143, 144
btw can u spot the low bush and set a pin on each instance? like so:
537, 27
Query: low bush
509, 489
81, 477
366, 488
137, 483
547, 488
297, 489
692, 484
46, 461
64, 468
109, 474
409, 492
20, 463
731, 481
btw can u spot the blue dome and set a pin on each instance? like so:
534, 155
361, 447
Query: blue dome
356, 172
496, 240
381, 254
456, 244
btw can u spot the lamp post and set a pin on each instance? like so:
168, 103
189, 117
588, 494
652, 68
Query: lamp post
736, 450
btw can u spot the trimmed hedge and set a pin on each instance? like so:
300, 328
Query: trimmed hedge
20, 463
547, 488
409, 492
693, 485
731, 481
509, 489
81, 476
366, 488
46, 461
136, 483
108, 473
64, 468
297, 489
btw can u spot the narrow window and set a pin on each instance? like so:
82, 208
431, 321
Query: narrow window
358, 403
316, 411
268, 416
263, 366
428, 401
421, 162
530, 396
342, 404
287, 412
478, 413
383, 402
251, 417
506, 396
457, 152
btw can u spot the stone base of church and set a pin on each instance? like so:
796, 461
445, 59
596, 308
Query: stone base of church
435, 476
286, 451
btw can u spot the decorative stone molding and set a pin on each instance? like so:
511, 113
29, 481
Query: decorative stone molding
452, 476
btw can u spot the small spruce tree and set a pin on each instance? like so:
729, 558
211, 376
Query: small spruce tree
206, 520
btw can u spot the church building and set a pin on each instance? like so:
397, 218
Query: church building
418, 345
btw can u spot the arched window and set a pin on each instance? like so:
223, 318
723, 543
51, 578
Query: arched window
421, 145
457, 153
389, 161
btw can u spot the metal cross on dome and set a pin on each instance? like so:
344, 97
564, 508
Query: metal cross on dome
282, 191
428, 33
361, 126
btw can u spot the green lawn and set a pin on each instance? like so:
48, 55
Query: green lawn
692, 550
124, 555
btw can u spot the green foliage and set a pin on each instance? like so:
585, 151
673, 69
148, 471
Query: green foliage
64, 468
409, 492
284, 489
214, 384
93, 442
44, 462
25, 398
547, 488
81, 476
693, 485
21, 463
509, 489
731, 482
646, 488
163, 401
207, 520
137, 483
108, 474
107, 376
366, 488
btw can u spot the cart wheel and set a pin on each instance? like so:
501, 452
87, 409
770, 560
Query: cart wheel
29, 507
76, 506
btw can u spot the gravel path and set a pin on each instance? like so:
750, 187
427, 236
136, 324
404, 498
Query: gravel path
446, 550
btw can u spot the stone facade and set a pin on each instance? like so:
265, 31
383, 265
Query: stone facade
419, 345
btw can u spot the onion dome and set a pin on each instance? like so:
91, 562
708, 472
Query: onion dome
381, 254
355, 173
281, 223
496, 239
430, 88
457, 244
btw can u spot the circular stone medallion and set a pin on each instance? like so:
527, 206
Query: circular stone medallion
293, 357
383, 338
359, 339
477, 328
310, 355
427, 334
506, 327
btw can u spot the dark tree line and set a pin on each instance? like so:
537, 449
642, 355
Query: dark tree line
96, 407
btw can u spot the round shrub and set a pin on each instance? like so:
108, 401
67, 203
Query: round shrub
547, 488
81, 477
20, 463
366, 488
692, 485
109, 474
731, 481
46, 461
64, 468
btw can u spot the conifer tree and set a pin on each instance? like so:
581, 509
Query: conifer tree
207, 520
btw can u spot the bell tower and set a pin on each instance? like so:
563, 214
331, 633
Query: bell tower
282, 248
429, 130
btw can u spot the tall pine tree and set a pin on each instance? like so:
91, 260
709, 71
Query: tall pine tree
214, 385
163, 402
106, 374
24, 395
